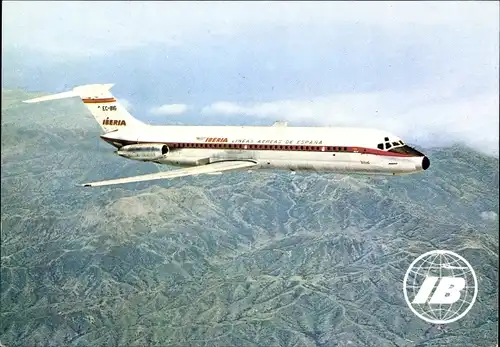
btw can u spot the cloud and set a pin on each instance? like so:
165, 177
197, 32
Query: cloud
432, 117
170, 109
489, 215
79, 28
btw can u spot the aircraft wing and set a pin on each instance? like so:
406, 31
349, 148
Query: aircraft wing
191, 171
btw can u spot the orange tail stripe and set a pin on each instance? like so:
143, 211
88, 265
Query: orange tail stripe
98, 101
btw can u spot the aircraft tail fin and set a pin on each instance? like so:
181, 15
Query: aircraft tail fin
107, 111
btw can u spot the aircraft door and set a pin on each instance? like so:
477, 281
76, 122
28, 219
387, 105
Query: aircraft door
364, 157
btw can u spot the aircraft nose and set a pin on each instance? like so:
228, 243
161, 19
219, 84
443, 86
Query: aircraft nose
426, 163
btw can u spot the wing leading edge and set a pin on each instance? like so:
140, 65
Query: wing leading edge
192, 171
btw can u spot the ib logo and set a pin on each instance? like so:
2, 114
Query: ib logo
440, 287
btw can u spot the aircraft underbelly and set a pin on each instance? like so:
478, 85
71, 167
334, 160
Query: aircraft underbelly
295, 161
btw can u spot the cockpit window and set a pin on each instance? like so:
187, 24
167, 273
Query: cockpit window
389, 145
407, 150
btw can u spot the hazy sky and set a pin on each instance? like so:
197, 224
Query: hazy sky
423, 70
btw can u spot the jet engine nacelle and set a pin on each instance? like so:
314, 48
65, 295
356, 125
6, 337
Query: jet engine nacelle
144, 151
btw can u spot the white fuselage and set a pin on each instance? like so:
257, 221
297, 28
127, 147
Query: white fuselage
345, 150
217, 149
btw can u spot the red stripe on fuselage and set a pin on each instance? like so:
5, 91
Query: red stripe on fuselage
259, 147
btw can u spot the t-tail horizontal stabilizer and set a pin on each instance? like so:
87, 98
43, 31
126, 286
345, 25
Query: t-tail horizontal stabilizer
57, 96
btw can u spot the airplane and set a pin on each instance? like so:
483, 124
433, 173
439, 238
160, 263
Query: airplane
215, 149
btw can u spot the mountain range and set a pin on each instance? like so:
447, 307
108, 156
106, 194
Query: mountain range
239, 259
